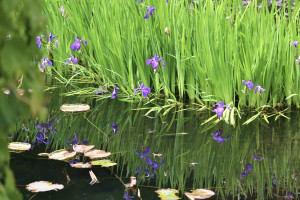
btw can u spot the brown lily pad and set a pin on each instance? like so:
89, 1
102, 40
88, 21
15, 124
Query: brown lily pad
62, 154
199, 194
19, 146
75, 108
82, 148
81, 165
43, 186
96, 154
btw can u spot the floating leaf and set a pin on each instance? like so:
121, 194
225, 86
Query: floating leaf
94, 178
81, 165
82, 148
19, 146
43, 186
199, 194
103, 163
96, 154
167, 194
44, 154
132, 182
75, 108
62, 154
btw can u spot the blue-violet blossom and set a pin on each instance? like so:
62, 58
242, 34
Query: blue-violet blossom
154, 61
76, 45
259, 88
74, 142
257, 158
145, 90
220, 108
144, 153
247, 170
219, 138
72, 59
114, 93
114, 127
45, 62
150, 10
38, 41
249, 84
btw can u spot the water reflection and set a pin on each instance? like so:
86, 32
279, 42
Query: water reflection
192, 160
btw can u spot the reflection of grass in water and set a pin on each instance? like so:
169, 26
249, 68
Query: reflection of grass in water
218, 167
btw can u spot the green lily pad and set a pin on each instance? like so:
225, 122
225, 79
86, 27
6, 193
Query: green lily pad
74, 108
200, 194
62, 154
167, 194
19, 146
43, 186
103, 163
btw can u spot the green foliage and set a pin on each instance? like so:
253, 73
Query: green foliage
21, 20
211, 48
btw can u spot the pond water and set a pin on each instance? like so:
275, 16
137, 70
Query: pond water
193, 159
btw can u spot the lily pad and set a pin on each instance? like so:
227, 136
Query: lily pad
96, 154
62, 154
200, 194
74, 108
167, 194
19, 146
82, 148
44, 154
43, 186
81, 165
104, 163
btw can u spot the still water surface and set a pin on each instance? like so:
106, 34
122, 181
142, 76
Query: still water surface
192, 160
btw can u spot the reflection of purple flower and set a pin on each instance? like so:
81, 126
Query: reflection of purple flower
45, 62
72, 59
259, 88
127, 197
220, 108
38, 41
114, 127
114, 93
150, 10
74, 142
144, 153
249, 84
155, 61
76, 45
219, 138
257, 158
145, 90
247, 170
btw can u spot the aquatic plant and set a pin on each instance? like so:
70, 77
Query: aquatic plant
219, 138
45, 62
114, 93
72, 59
249, 84
154, 61
219, 108
145, 90
150, 10
77, 44
247, 170
144, 153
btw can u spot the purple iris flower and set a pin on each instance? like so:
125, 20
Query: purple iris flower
38, 41
51, 37
219, 138
139, 170
57, 43
40, 138
74, 142
274, 181
247, 170
73, 161
150, 10
249, 84
76, 45
145, 90
140, 1
289, 196
257, 158
154, 61
8, 36
127, 197
220, 108
45, 62
259, 88
114, 127
72, 59
114, 93
62, 10
144, 153
295, 43
45, 127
